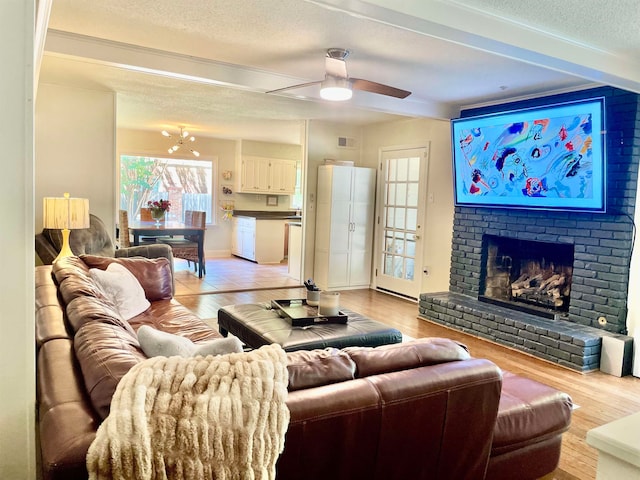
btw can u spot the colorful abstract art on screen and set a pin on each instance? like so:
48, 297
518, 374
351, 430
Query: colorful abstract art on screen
550, 157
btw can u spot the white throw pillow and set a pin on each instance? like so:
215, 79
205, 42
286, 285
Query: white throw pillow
156, 343
123, 288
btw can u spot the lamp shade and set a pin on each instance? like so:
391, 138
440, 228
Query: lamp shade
65, 212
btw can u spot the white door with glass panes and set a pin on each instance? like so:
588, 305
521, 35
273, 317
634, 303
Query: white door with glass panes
400, 220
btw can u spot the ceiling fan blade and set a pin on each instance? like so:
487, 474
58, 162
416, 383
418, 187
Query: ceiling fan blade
374, 87
300, 85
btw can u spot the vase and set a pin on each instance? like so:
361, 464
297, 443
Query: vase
158, 215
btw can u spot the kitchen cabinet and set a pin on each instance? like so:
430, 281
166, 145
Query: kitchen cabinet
267, 175
344, 226
258, 240
243, 242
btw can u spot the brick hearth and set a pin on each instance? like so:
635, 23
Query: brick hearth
559, 341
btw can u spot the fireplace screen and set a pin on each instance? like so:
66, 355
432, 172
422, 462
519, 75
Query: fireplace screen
525, 272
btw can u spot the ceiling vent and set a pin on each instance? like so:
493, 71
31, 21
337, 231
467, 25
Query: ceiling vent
346, 142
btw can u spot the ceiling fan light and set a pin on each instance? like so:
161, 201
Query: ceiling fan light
170, 150
185, 134
196, 153
336, 94
335, 89
192, 139
165, 133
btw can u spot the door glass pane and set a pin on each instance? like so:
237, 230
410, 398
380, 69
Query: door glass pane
391, 199
399, 218
411, 245
412, 194
408, 273
398, 246
412, 218
414, 167
388, 263
392, 170
397, 267
401, 194
388, 243
403, 169
390, 216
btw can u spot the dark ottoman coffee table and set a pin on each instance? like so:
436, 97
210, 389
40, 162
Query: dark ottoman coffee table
256, 324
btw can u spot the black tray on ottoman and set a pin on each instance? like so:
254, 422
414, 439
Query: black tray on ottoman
301, 314
257, 324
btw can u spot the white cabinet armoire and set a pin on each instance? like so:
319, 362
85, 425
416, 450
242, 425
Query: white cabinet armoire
344, 227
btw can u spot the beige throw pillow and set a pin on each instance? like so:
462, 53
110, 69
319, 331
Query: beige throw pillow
123, 288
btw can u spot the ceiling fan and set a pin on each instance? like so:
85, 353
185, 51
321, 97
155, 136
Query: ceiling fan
338, 86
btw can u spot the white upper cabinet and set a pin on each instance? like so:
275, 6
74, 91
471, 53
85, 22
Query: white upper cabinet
267, 175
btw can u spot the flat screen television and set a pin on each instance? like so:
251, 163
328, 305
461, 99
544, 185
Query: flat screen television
550, 157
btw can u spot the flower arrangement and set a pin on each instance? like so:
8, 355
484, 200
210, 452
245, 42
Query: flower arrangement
158, 209
164, 205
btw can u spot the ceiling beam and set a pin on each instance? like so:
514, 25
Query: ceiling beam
218, 74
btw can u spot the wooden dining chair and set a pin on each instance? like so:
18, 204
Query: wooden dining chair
145, 215
187, 247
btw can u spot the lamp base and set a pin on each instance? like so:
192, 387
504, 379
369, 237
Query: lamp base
66, 250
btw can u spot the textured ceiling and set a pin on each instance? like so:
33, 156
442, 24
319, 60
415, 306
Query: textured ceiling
207, 64
608, 24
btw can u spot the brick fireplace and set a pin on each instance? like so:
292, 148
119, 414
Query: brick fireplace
591, 251
527, 275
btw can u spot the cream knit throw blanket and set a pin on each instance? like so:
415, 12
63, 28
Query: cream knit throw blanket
215, 417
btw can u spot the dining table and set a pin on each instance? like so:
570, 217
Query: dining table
170, 228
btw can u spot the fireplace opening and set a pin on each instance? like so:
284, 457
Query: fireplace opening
527, 275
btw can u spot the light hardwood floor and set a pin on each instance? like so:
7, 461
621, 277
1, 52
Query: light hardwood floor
601, 397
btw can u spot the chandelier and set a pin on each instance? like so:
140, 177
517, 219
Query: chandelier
183, 137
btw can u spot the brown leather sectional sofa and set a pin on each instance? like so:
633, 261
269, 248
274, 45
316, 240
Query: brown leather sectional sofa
419, 410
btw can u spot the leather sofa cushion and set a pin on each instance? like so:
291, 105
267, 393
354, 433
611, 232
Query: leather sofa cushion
401, 356
85, 309
529, 412
72, 276
154, 274
314, 368
107, 348
106, 352
171, 317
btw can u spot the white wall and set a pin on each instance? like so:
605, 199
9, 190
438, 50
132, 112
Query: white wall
75, 148
17, 352
439, 212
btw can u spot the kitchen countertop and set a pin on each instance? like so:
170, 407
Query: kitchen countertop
267, 215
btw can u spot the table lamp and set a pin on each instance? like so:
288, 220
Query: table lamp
66, 214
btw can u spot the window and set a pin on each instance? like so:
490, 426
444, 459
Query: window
187, 184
